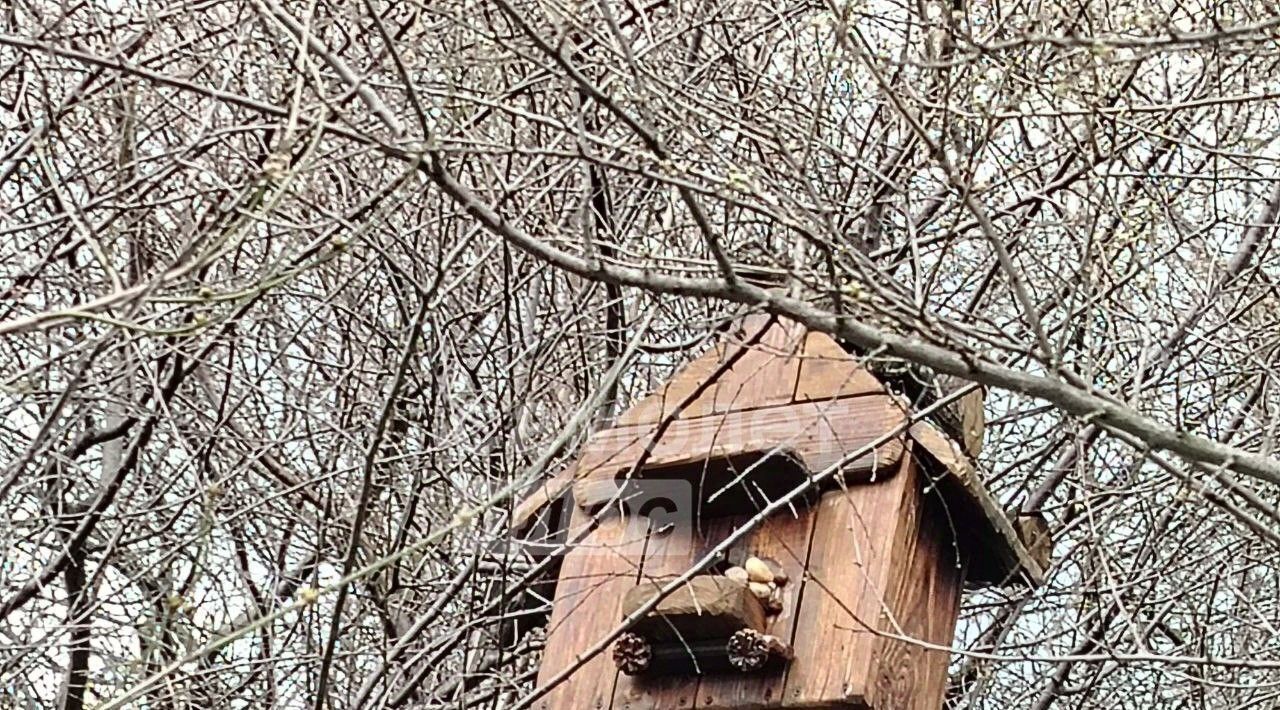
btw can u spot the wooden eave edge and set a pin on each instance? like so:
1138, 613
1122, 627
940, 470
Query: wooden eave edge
1015, 560
543, 495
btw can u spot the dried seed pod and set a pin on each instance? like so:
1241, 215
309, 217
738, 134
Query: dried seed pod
737, 574
757, 570
761, 591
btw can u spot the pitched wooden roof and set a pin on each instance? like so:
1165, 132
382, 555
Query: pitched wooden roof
772, 388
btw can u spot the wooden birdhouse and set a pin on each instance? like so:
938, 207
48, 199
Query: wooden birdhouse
772, 528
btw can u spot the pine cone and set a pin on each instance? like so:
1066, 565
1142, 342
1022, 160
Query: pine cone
747, 650
632, 653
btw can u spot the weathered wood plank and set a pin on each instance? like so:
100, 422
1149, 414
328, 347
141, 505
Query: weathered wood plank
921, 604
786, 364
688, 379
668, 556
766, 374
965, 417
847, 576
654, 407
827, 372
783, 540
593, 579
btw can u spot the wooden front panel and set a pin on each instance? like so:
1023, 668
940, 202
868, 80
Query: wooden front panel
664, 401
783, 541
784, 364
766, 374
828, 372
869, 566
